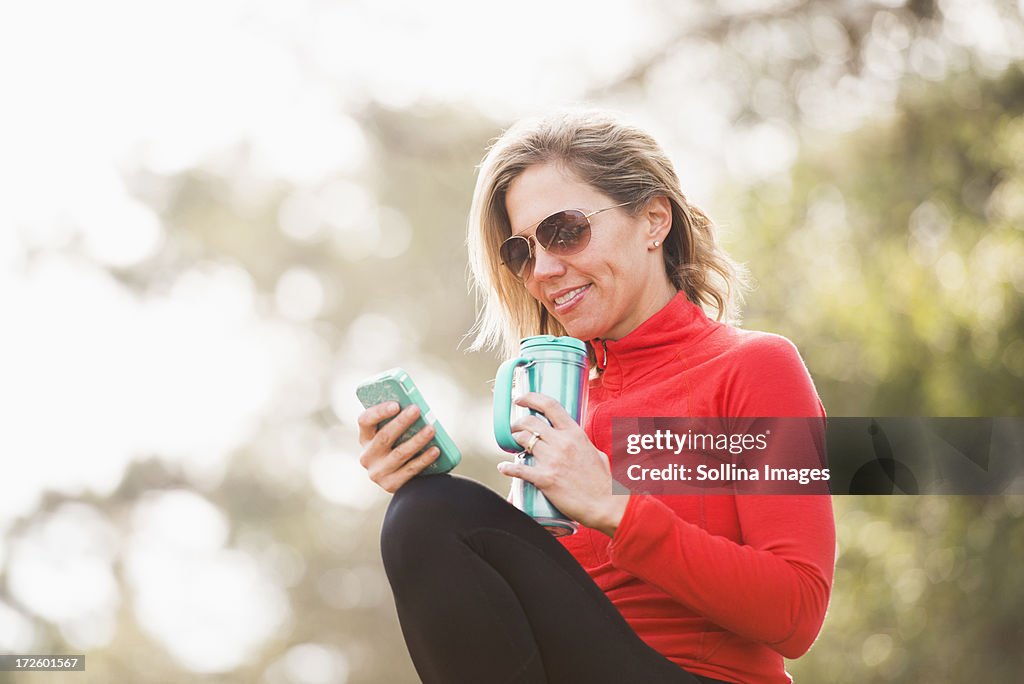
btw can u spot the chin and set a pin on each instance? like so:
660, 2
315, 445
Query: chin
582, 331
582, 327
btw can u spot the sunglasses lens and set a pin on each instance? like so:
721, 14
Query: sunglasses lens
564, 233
515, 254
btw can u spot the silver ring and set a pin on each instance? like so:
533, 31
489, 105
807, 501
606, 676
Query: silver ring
533, 442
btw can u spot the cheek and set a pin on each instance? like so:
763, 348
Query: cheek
533, 288
620, 251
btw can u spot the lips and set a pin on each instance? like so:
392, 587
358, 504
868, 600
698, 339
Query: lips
567, 299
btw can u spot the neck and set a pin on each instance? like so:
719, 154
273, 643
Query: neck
654, 300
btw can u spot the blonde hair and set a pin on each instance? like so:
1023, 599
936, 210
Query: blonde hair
620, 161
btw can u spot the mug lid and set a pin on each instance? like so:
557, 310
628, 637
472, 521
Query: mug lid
553, 342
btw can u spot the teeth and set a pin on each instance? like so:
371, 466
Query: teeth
569, 295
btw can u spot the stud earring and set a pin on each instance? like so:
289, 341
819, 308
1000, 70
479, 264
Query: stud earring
657, 243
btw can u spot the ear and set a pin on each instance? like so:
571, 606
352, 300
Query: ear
658, 215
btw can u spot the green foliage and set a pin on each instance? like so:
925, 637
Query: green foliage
925, 591
894, 255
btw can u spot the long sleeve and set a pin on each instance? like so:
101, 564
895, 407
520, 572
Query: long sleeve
724, 585
773, 588
773, 585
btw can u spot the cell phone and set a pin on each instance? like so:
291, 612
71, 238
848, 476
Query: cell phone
396, 385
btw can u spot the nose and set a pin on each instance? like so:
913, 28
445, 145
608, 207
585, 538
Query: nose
546, 265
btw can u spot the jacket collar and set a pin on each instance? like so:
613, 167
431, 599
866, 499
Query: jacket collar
658, 340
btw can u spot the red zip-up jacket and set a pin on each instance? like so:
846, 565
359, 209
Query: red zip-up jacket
724, 586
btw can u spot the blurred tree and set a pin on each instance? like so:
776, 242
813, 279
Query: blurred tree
925, 591
800, 62
892, 255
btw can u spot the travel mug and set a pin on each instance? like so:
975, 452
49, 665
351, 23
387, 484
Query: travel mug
557, 367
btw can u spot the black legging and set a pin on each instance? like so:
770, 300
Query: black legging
485, 595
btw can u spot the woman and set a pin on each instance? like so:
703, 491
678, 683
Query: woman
579, 227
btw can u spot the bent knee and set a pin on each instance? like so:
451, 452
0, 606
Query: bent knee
435, 500
432, 505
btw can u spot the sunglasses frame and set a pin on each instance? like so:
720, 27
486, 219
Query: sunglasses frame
532, 240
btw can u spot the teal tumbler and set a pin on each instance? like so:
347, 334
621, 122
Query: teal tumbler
557, 367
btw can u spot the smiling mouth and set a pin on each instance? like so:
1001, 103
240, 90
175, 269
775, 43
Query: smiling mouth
567, 300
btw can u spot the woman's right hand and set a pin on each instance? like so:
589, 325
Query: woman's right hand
389, 465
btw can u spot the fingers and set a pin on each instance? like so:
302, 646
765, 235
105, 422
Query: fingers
552, 437
552, 410
394, 480
520, 470
393, 468
533, 424
538, 476
412, 446
389, 465
530, 442
382, 455
371, 417
524, 429
380, 449
386, 436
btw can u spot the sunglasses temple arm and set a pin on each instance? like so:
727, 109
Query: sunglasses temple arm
595, 213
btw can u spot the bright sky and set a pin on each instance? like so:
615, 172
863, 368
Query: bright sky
93, 376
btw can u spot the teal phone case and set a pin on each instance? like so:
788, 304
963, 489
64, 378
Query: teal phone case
396, 385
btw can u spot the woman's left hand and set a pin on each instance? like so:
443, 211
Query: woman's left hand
573, 474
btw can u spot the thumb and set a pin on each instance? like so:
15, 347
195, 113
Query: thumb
520, 470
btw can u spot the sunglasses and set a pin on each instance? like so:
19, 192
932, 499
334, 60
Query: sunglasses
562, 234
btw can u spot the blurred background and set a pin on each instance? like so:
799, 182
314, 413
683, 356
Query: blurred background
217, 217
